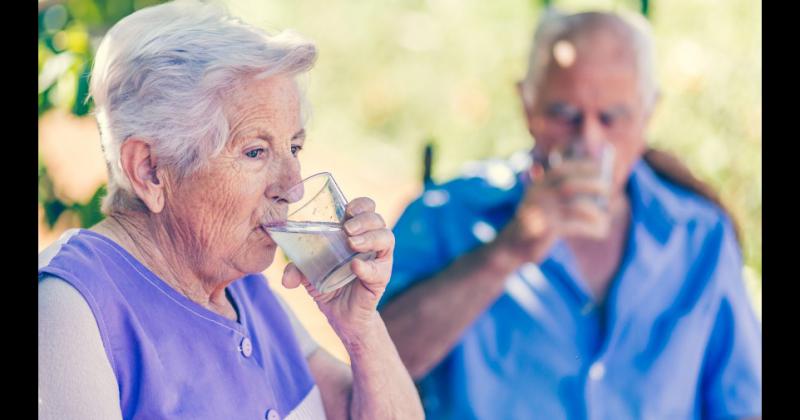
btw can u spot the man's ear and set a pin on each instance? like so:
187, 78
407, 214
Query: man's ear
524, 99
652, 105
140, 168
527, 99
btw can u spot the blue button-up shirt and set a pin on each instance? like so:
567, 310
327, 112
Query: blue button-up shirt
676, 339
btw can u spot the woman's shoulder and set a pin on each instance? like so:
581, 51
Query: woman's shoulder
81, 251
47, 254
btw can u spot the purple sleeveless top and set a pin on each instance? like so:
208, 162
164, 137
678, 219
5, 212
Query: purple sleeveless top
176, 359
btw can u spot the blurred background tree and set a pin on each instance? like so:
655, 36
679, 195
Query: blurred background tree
393, 77
69, 33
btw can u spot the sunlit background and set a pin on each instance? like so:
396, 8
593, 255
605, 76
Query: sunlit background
393, 76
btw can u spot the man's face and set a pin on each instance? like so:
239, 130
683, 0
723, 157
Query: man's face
590, 95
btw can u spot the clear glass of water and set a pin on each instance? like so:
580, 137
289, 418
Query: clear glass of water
312, 235
578, 150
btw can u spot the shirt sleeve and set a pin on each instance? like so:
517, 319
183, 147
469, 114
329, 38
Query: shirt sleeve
307, 344
446, 222
417, 253
76, 380
731, 375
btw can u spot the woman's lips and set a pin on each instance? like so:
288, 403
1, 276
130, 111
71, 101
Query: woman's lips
266, 234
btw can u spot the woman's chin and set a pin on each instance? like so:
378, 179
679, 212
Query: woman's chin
267, 259
260, 259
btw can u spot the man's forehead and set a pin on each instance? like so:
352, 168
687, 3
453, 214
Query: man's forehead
593, 71
600, 49
602, 85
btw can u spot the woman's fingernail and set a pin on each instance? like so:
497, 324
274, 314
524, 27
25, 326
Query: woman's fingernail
357, 240
352, 226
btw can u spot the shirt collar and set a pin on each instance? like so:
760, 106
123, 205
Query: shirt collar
650, 228
650, 202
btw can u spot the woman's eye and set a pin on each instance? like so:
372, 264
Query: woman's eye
296, 149
255, 153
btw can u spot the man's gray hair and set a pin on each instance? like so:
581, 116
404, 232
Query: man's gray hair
555, 26
161, 74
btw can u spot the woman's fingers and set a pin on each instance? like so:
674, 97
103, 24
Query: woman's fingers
380, 241
364, 222
292, 277
359, 205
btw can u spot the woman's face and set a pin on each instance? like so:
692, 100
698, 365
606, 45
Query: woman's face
220, 209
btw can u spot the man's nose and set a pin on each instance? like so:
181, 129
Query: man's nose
593, 134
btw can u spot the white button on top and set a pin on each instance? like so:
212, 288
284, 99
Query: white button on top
272, 415
435, 198
246, 347
484, 231
597, 371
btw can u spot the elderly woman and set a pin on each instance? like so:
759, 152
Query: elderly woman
159, 311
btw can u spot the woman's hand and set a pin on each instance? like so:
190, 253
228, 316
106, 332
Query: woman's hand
351, 309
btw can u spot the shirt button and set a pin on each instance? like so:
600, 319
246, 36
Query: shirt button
246, 347
272, 415
597, 371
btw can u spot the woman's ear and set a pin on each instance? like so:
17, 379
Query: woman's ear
139, 165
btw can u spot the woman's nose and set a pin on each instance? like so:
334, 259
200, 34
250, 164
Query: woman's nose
288, 186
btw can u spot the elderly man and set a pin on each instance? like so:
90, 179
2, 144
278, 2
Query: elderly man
514, 296
160, 310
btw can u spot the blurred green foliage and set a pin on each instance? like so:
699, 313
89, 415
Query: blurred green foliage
393, 75
69, 33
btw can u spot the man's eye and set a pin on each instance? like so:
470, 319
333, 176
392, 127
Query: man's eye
564, 114
607, 119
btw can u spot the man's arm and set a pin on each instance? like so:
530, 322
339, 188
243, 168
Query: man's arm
427, 320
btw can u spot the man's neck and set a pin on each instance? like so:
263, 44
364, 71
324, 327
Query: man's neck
598, 259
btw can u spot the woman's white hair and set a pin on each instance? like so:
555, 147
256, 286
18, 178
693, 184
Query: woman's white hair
555, 26
161, 74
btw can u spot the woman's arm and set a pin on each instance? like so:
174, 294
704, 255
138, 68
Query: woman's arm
377, 385
75, 377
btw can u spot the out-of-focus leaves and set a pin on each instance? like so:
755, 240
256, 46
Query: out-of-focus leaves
45, 186
115, 10
53, 207
65, 48
81, 106
89, 213
52, 210
54, 68
53, 19
86, 11
44, 102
